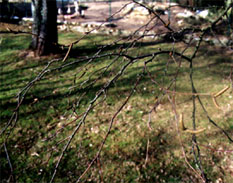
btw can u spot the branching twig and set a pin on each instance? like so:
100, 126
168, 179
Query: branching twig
109, 129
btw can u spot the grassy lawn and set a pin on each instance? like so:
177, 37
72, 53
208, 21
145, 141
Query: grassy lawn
135, 150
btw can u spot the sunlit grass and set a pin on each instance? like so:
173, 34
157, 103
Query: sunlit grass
48, 106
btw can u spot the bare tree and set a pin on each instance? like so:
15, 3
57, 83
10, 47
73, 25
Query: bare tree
121, 59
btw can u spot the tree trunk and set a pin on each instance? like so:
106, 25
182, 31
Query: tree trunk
45, 37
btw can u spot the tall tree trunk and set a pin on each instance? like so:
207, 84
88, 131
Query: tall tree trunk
45, 37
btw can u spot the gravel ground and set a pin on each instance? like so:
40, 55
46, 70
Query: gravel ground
99, 12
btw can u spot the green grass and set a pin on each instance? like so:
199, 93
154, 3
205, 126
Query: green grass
48, 106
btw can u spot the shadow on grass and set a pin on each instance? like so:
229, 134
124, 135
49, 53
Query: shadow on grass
54, 98
44, 92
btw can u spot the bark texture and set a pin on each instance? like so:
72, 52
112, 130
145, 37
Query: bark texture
45, 37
